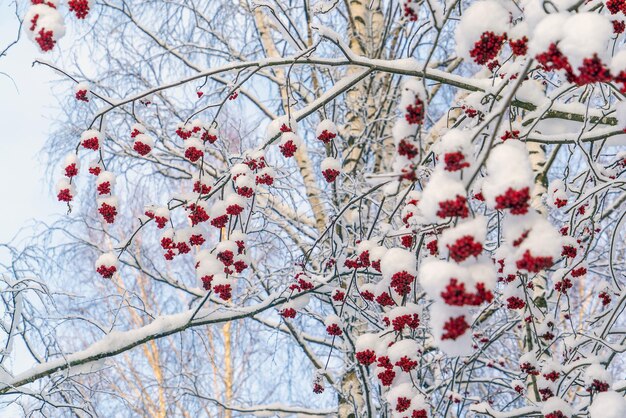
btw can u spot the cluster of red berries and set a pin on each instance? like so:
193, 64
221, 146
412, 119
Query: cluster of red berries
326, 136
288, 313
454, 328
142, 148
533, 264
409, 10
513, 134
339, 296
452, 208
455, 294
401, 282
529, 369
455, 161
91, 143
108, 212
514, 302
106, 272
366, 357
193, 154
552, 376
487, 47
334, 330
569, 251
362, 261
407, 241
45, 39
385, 299
592, 70
598, 386
432, 247
606, 298
65, 195
546, 393
519, 47
407, 149
301, 285
563, 285
81, 95
411, 321
330, 175
414, 113
517, 201
79, 7
224, 291
470, 112
288, 149
464, 248
616, 6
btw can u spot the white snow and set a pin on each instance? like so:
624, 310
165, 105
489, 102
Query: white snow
508, 166
608, 405
396, 260
440, 188
480, 17
330, 163
556, 404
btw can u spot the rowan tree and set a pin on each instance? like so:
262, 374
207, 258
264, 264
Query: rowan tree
404, 208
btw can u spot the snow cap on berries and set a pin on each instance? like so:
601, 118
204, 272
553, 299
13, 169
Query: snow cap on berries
107, 208
400, 398
331, 168
509, 178
474, 25
326, 131
194, 149
537, 243
579, 36
81, 90
95, 167
443, 197
404, 354
161, 216
454, 150
44, 25
464, 240
245, 185
65, 190
598, 378
557, 197
555, 405
398, 260
71, 165
143, 144
265, 176
106, 265
105, 183
289, 143
333, 325
91, 139
451, 329
280, 125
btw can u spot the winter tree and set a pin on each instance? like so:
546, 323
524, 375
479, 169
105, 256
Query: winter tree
354, 208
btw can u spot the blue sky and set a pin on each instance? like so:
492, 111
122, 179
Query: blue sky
26, 109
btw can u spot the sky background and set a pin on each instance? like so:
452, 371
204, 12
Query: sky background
27, 108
